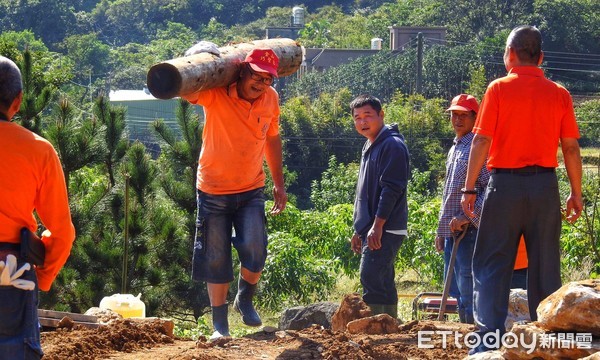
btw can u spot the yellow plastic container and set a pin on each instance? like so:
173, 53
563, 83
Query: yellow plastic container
125, 305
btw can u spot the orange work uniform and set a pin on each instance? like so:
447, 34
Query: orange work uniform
233, 139
517, 141
525, 115
31, 178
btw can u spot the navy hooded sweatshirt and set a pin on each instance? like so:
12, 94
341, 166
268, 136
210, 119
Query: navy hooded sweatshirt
382, 181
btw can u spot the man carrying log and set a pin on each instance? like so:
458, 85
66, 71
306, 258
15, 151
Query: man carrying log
241, 129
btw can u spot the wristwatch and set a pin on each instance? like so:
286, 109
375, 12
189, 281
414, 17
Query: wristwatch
466, 191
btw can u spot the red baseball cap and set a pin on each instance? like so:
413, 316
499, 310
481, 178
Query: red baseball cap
263, 60
464, 102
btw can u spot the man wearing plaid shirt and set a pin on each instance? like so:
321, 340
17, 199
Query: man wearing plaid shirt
463, 112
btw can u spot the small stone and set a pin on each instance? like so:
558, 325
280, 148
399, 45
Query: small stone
66, 323
269, 329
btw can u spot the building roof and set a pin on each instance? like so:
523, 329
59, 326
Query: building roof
130, 95
333, 57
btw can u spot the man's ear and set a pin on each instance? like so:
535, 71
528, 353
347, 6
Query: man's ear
381, 114
15, 106
541, 58
512, 54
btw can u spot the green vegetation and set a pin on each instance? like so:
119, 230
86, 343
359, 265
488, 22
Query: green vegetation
135, 215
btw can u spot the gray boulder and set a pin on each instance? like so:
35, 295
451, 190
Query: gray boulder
301, 317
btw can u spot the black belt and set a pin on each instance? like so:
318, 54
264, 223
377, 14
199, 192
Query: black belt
527, 170
10, 246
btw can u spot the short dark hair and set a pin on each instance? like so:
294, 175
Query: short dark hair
10, 82
364, 100
527, 42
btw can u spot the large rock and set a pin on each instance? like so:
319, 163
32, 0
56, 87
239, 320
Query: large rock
378, 324
518, 308
351, 308
105, 316
595, 356
575, 307
301, 317
536, 343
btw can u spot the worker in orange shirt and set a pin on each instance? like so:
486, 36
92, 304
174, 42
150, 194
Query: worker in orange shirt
31, 180
241, 130
522, 120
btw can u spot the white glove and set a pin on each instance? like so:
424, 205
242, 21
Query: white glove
203, 46
9, 275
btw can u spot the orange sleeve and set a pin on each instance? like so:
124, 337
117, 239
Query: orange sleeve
487, 117
568, 125
274, 105
52, 207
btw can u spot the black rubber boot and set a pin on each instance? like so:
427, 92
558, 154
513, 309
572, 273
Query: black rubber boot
377, 309
243, 303
391, 310
220, 322
461, 316
469, 318
465, 317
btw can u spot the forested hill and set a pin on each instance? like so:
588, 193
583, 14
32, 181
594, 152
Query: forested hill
122, 21
109, 44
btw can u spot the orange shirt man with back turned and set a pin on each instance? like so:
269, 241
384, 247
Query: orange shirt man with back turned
31, 179
521, 122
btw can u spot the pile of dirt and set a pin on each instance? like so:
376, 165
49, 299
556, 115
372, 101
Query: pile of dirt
121, 335
127, 340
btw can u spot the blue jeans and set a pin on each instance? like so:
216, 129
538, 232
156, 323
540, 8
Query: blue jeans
377, 270
516, 205
217, 214
462, 279
19, 324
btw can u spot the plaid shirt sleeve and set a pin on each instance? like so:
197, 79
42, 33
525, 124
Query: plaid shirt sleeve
456, 173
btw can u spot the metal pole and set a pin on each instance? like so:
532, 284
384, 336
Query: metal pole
126, 238
419, 62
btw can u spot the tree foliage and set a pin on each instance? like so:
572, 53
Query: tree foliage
72, 53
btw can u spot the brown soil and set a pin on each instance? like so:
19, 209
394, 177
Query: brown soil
127, 340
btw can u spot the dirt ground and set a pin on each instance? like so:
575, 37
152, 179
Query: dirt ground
126, 340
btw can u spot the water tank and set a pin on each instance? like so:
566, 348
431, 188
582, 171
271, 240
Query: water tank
376, 43
297, 16
125, 305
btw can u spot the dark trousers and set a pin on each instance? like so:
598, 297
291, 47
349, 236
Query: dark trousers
377, 270
516, 204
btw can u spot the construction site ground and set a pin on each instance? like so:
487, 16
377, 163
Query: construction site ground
127, 340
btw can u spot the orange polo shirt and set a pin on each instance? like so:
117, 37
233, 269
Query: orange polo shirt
233, 139
526, 115
31, 178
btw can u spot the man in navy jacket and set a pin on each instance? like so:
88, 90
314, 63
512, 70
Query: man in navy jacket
380, 207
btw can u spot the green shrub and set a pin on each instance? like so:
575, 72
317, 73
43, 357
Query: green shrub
292, 275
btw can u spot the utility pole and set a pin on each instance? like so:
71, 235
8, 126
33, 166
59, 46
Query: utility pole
419, 63
126, 238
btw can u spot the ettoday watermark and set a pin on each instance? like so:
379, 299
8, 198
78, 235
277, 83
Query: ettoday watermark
495, 340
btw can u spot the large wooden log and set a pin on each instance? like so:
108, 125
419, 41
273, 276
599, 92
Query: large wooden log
185, 75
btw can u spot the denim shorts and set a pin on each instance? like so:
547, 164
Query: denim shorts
217, 215
19, 324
